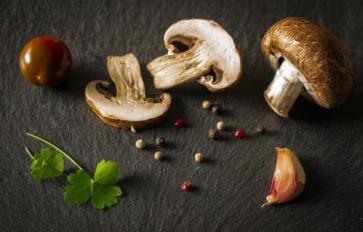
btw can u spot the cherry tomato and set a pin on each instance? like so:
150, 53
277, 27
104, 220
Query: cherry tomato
45, 60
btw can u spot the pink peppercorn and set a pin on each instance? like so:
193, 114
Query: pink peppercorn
240, 133
179, 122
185, 185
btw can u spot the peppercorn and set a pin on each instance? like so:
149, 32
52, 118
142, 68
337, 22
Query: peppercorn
160, 141
158, 155
260, 130
206, 104
185, 185
179, 122
140, 144
199, 157
215, 110
240, 133
220, 125
213, 133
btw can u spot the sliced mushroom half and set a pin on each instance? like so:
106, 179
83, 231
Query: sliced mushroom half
197, 49
130, 107
309, 60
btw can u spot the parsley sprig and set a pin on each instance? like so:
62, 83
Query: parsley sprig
81, 187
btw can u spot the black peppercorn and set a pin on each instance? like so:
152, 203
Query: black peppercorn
213, 134
260, 130
215, 110
160, 141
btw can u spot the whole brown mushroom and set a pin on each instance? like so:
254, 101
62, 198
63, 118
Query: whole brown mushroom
308, 60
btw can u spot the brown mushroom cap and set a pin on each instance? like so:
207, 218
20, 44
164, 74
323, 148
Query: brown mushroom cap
317, 53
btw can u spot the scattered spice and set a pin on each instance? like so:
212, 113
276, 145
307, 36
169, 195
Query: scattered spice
140, 144
199, 157
160, 141
220, 125
215, 110
185, 185
260, 130
158, 155
213, 133
206, 104
240, 133
179, 122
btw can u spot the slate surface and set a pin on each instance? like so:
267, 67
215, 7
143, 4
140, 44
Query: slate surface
232, 185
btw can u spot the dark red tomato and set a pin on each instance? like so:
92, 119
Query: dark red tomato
45, 60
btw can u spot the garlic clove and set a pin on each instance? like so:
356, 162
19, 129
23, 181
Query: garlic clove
289, 178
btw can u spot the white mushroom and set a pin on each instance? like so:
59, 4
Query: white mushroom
130, 107
197, 49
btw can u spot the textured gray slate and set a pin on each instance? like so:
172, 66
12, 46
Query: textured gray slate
232, 185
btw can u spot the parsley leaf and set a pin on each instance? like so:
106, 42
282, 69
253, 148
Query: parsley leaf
102, 189
78, 187
46, 163
107, 172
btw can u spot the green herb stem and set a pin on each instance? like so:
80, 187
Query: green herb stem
29, 153
46, 142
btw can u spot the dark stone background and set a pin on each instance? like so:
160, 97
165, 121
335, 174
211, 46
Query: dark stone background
233, 183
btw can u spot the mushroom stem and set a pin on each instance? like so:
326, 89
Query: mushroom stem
171, 70
284, 89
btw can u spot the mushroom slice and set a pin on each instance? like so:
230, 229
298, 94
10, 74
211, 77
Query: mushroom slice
130, 107
197, 49
308, 60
